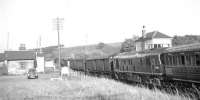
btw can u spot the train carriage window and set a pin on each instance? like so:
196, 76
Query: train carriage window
130, 62
155, 46
181, 60
157, 60
117, 64
174, 60
153, 61
198, 60
170, 60
159, 45
148, 61
124, 62
193, 60
177, 62
141, 61
165, 60
188, 60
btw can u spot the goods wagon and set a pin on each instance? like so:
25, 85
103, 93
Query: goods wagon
77, 64
99, 66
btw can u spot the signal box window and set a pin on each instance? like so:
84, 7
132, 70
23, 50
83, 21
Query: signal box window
159, 45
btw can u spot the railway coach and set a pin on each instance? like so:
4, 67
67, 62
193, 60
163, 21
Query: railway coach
182, 64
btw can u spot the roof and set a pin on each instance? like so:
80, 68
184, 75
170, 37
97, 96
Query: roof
19, 55
2, 56
133, 54
187, 47
151, 35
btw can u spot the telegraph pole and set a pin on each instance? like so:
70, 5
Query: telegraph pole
58, 26
8, 36
40, 43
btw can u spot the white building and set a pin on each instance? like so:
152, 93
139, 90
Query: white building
19, 62
153, 40
40, 63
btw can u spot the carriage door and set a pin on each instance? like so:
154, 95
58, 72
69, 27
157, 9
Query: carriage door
155, 65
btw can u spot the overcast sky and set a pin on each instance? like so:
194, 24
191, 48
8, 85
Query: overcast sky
93, 21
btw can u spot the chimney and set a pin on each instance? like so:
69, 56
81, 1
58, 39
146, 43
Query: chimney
143, 36
22, 46
143, 31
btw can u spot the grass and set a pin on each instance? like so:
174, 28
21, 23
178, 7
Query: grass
76, 87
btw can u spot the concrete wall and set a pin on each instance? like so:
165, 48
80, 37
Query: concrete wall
20, 66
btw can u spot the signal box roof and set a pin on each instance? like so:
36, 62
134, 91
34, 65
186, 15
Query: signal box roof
19, 55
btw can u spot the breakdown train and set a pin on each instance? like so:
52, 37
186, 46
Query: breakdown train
178, 65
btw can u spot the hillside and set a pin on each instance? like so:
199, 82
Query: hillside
187, 39
96, 50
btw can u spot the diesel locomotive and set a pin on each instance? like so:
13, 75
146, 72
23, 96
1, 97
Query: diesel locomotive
178, 65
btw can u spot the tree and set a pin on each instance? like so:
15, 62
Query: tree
101, 45
129, 44
187, 39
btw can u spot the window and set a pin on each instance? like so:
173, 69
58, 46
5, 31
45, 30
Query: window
159, 45
134, 68
188, 60
124, 62
151, 45
193, 60
148, 61
198, 60
22, 65
153, 62
169, 60
155, 46
174, 60
130, 62
166, 60
183, 59
117, 64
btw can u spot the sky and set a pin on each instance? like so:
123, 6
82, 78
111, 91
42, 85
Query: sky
93, 21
